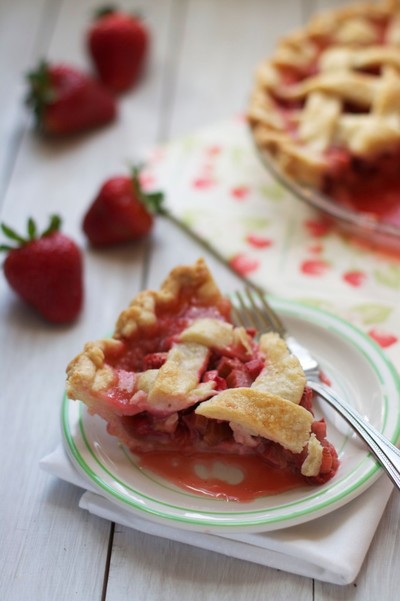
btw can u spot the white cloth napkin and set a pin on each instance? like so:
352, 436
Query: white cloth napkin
331, 548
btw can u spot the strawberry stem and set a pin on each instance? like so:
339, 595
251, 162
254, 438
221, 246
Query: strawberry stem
153, 201
54, 225
41, 92
31, 229
110, 9
104, 11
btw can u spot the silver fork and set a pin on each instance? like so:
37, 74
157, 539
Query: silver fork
252, 309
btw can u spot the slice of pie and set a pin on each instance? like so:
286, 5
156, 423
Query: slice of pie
179, 376
326, 107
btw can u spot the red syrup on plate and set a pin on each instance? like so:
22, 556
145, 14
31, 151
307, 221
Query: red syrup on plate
240, 478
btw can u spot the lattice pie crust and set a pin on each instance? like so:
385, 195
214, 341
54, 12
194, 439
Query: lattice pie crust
181, 328
334, 84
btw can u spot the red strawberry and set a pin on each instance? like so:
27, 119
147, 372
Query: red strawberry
118, 43
121, 211
67, 101
46, 271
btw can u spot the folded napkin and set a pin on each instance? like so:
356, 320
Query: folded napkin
331, 548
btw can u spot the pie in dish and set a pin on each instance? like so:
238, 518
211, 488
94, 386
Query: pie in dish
179, 376
326, 107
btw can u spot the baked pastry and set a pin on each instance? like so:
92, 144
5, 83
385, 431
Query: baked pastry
326, 107
177, 375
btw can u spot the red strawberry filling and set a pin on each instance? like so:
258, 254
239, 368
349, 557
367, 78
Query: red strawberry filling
364, 185
146, 430
370, 186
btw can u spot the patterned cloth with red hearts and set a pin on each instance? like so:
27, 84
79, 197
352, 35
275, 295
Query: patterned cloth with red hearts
217, 186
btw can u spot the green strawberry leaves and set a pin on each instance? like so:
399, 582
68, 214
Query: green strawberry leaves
12, 235
41, 92
108, 9
31, 230
54, 226
153, 201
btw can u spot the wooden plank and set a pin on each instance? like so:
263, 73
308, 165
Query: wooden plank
51, 548
55, 550
152, 568
222, 44
20, 24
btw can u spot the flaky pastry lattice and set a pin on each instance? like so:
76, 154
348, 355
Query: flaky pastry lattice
331, 94
179, 375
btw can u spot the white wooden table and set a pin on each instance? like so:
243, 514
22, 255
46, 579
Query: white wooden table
202, 61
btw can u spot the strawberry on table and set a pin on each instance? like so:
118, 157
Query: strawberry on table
67, 101
121, 211
118, 44
45, 271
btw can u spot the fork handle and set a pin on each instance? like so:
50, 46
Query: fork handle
385, 452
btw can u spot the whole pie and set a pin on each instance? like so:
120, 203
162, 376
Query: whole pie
326, 107
179, 376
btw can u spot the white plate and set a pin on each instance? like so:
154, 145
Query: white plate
358, 370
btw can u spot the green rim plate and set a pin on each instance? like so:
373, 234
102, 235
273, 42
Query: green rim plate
358, 370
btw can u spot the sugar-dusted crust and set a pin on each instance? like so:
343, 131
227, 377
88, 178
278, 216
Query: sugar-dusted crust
262, 414
345, 76
194, 280
282, 375
270, 407
119, 378
87, 374
214, 333
177, 384
312, 463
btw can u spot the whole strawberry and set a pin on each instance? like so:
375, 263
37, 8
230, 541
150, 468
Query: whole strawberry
67, 101
118, 44
121, 211
46, 271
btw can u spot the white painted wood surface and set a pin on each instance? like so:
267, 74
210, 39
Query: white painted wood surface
202, 60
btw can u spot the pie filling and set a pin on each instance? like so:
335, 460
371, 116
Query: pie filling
184, 389
366, 184
369, 186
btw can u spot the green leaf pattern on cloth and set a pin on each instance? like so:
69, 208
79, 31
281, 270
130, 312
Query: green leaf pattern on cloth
373, 313
389, 276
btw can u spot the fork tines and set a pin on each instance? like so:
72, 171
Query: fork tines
253, 310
